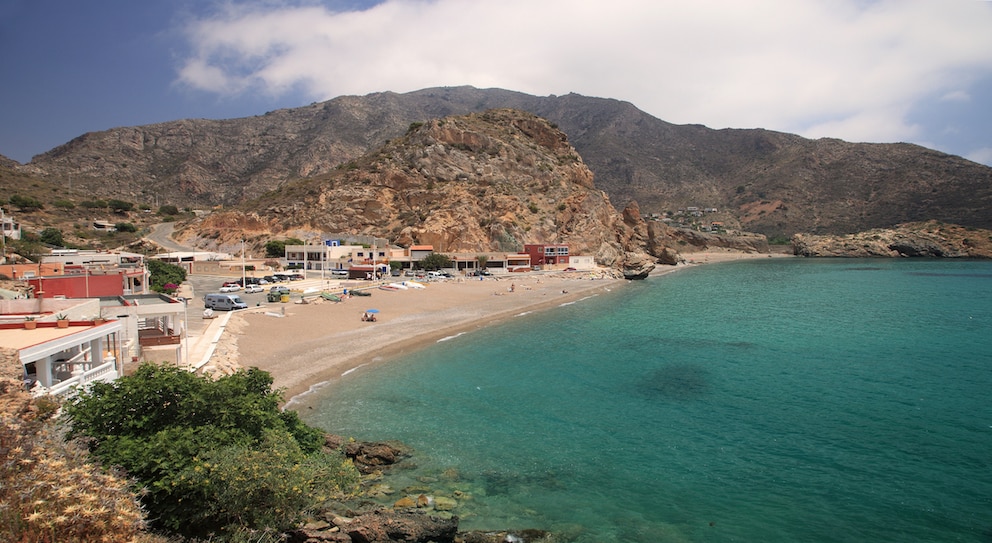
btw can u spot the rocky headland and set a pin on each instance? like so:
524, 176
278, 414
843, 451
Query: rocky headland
931, 239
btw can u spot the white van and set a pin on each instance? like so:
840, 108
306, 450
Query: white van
224, 302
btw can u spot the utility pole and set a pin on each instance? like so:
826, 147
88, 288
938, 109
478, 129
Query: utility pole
243, 281
3, 236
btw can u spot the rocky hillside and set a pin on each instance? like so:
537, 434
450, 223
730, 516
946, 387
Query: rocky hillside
927, 239
763, 181
8, 163
492, 181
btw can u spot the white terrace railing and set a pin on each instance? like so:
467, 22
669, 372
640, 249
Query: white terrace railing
104, 372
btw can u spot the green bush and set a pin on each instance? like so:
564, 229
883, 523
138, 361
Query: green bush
213, 457
277, 248
163, 273
435, 261
120, 206
52, 236
26, 203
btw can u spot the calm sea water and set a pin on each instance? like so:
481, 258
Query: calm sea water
776, 401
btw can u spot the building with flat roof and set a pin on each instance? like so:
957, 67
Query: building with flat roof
59, 351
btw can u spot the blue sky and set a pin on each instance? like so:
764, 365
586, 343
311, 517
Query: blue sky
918, 71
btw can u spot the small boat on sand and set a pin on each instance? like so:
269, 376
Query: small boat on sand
360, 292
388, 287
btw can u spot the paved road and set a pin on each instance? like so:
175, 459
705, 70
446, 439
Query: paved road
161, 234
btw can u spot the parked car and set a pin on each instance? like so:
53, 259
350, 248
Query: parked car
252, 289
230, 287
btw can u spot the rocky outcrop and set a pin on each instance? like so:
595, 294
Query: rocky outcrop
929, 239
493, 181
368, 457
666, 243
413, 526
406, 526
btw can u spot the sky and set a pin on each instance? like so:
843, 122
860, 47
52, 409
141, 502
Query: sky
917, 71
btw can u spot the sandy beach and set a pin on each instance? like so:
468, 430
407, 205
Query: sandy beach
304, 345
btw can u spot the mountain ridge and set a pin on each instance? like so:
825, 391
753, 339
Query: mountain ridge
760, 180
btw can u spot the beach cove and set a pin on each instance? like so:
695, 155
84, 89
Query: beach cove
762, 400
308, 344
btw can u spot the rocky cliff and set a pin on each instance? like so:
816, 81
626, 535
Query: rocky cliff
927, 239
492, 181
762, 181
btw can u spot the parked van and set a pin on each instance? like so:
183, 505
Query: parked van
224, 302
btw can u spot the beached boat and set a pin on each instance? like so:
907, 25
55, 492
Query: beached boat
413, 284
400, 286
388, 287
330, 297
360, 292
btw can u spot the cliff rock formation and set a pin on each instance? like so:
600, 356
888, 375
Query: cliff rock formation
492, 181
927, 239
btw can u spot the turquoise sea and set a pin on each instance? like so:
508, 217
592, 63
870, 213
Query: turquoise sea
774, 400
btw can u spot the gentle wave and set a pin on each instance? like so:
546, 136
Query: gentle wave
451, 337
353, 369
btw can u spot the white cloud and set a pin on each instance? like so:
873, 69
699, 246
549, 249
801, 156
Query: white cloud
843, 68
982, 156
956, 96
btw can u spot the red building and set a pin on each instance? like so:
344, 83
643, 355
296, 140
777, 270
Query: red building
541, 255
82, 283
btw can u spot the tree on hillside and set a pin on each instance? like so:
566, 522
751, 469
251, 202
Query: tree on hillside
214, 456
120, 206
52, 236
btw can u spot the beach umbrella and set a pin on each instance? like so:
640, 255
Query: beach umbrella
371, 310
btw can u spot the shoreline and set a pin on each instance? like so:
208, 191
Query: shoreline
322, 341
318, 342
